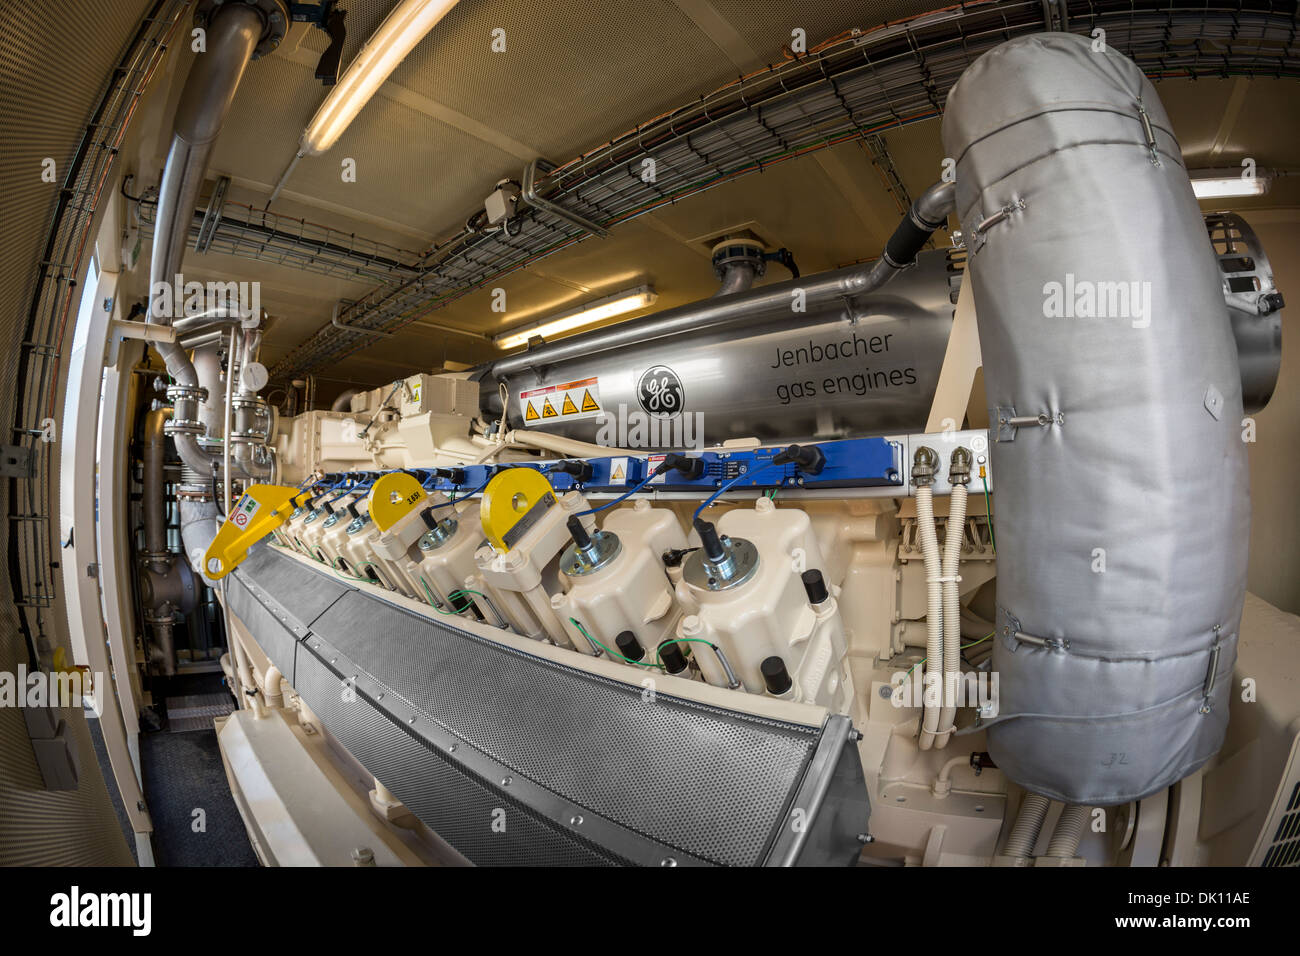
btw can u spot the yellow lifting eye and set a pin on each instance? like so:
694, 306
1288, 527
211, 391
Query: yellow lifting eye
260, 510
508, 499
393, 497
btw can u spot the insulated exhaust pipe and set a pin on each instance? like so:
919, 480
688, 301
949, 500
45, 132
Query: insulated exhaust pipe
1115, 412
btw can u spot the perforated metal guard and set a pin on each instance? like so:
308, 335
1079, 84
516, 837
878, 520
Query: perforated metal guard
458, 726
302, 593
485, 825
272, 635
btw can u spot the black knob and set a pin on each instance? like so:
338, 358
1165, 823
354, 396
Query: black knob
455, 475
578, 532
713, 549
352, 509
327, 507
815, 585
429, 516
629, 646
775, 676
671, 656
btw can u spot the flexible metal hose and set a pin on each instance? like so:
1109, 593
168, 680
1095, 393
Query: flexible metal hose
1029, 823
1069, 831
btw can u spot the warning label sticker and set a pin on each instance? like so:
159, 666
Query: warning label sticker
558, 403
243, 512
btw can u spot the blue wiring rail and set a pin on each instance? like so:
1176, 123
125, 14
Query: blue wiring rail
850, 463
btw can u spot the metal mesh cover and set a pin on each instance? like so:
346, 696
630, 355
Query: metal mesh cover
301, 593
271, 633
459, 726
461, 808
710, 782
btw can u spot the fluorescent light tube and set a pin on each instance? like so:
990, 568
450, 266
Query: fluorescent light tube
617, 304
387, 47
1227, 183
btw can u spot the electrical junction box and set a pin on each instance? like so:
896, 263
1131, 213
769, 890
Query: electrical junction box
438, 394
501, 204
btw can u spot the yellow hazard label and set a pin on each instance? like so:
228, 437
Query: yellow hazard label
564, 401
619, 471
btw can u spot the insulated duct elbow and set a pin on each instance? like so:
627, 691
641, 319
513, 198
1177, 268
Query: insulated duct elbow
198, 528
1116, 401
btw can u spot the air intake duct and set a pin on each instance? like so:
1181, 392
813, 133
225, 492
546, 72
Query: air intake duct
1115, 409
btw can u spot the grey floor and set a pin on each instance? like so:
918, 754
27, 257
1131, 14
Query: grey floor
194, 816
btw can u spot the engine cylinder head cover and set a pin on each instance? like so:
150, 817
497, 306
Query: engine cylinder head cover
1121, 568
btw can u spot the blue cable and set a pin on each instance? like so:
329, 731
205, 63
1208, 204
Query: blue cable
470, 494
727, 487
621, 498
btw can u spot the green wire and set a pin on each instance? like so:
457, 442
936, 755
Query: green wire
964, 647
988, 506
659, 651
574, 622
344, 574
681, 640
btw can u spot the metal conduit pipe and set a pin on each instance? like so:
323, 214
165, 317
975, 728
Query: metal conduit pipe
928, 213
155, 504
232, 36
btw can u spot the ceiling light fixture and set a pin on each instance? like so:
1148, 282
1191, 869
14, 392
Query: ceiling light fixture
1227, 183
387, 47
620, 303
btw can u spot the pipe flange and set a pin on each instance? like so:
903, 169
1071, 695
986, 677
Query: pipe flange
183, 426
187, 393
275, 20
605, 545
255, 402
436, 537
738, 567
248, 438
738, 251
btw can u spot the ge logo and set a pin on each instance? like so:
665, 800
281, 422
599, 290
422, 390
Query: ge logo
660, 392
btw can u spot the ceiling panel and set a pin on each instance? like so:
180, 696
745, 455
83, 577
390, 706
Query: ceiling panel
573, 74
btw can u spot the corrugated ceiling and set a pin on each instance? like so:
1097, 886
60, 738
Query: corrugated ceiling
456, 117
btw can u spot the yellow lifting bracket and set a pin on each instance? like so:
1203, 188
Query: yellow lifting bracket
260, 510
393, 497
512, 502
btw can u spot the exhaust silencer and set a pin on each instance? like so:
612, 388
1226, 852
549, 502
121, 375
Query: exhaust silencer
1116, 413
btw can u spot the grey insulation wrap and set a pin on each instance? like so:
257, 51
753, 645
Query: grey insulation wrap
1122, 524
